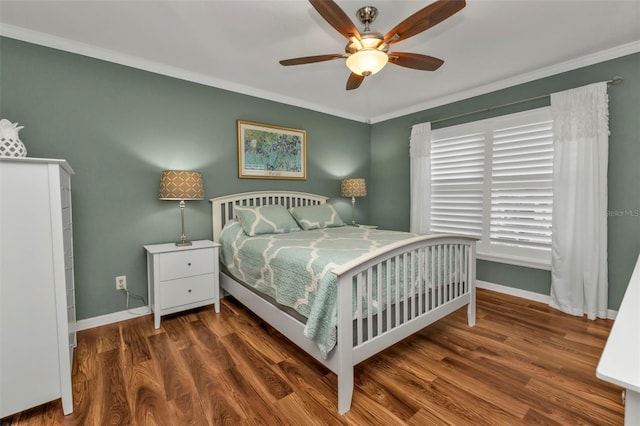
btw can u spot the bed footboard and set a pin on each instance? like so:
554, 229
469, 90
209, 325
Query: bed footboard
396, 292
383, 296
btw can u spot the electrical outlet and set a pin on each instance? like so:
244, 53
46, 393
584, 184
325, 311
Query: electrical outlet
121, 282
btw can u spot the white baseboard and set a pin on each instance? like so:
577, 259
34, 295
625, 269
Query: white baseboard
145, 310
112, 318
529, 295
524, 294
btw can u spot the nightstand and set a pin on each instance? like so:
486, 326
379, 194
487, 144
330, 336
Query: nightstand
181, 278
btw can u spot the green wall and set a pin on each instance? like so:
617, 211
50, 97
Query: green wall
390, 166
119, 127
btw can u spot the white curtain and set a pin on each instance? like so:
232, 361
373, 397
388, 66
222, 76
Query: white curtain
420, 152
579, 270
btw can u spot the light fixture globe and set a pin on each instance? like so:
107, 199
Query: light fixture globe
367, 62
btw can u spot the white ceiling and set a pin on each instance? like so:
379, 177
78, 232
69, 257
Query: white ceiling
236, 45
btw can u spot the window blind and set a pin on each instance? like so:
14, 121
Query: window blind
521, 185
457, 176
493, 180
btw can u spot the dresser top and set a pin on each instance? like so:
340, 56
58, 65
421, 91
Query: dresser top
32, 160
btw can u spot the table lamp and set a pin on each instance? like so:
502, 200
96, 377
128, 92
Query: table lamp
353, 187
181, 185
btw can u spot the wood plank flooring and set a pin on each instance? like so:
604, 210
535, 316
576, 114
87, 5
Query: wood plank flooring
523, 363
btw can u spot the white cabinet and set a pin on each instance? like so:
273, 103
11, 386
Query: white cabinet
620, 360
182, 278
37, 301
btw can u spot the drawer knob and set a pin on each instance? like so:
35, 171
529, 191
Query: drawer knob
189, 264
189, 290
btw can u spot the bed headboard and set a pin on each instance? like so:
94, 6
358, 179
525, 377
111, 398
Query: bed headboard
222, 207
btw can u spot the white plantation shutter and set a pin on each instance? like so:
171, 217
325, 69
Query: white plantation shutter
521, 182
457, 176
492, 179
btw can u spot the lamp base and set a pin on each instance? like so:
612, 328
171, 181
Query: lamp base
183, 238
353, 211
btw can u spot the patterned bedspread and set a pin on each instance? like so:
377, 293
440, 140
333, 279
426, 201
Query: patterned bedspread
295, 268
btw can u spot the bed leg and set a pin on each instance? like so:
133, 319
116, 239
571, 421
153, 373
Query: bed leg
345, 390
471, 307
344, 347
471, 311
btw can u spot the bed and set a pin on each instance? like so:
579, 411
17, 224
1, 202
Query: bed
381, 295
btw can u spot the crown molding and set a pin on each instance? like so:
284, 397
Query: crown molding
107, 55
95, 52
605, 55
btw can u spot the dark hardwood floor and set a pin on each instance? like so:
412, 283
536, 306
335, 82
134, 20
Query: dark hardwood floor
523, 363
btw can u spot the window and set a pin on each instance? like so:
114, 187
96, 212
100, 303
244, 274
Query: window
492, 179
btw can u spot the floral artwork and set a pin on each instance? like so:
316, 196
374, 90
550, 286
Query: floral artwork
271, 152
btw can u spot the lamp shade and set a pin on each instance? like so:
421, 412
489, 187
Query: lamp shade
354, 187
181, 185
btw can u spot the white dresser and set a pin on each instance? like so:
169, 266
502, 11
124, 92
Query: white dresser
37, 300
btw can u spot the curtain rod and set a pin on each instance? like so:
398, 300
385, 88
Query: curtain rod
614, 80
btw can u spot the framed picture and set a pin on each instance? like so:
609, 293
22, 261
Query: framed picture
271, 152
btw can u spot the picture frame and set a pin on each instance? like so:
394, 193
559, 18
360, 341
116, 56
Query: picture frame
271, 152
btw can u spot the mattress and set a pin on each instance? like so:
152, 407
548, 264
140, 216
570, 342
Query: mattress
294, 269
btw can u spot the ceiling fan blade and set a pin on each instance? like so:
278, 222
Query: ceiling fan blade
424, 19
309, 59
354, 81
415, 61
336, 17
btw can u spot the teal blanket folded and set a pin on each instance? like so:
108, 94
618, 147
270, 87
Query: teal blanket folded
295, 268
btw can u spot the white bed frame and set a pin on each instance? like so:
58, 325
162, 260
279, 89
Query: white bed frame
426, 299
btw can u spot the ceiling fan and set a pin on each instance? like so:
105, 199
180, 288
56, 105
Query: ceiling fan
366, 52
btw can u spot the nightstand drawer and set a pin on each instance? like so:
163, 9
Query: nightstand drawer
186, 290
186, 264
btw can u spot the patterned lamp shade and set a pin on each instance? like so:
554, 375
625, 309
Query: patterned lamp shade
181, 185
354, 187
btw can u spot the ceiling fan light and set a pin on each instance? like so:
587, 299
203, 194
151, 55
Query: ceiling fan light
367, 61
371, 41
